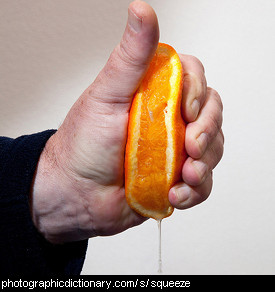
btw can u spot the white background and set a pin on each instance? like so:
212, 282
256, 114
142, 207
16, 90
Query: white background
50, 50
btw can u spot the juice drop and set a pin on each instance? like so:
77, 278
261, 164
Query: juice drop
160, 260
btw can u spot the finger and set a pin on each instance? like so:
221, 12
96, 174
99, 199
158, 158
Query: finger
200, 133
194, 87
183, 196
129, 61
194, 172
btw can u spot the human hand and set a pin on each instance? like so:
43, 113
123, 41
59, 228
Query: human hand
78, 189
202, 110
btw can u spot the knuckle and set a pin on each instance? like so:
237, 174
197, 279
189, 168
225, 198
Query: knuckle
216, 97
215, 123
222, 136
201, 172
202, 192
197, 62
220, 146
217, 150
206, 187
214, 117
129, 57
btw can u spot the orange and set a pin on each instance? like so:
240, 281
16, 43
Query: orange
156, 131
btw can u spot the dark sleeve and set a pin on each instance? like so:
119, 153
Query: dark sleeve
23, 250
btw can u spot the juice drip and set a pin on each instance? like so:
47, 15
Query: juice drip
160, 260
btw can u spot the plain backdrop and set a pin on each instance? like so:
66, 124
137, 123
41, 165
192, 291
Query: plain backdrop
51, 50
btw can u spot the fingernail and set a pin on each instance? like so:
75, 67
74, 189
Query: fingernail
202, 141
195, 106
182, 193
134, 21
201, 168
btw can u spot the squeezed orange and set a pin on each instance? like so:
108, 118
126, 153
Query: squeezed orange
156, 132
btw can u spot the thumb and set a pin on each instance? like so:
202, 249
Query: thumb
123, 72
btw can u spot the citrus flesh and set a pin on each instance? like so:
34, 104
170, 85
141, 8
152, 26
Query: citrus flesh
155, 144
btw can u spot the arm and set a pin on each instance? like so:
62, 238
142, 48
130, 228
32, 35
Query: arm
23, 250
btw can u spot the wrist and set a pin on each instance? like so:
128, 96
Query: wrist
56, 209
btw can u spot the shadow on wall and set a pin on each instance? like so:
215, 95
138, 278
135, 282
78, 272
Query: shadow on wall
49, 53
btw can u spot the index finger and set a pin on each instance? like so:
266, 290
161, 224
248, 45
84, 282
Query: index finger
194, 87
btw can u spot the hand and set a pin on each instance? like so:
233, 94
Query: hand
78, 190
202, 110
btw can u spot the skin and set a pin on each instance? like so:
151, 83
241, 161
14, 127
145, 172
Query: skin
78, 189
